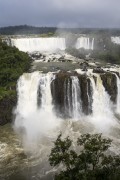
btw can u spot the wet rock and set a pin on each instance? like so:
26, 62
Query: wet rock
59, 89
110, 85
84, 93
98, 70
6, 108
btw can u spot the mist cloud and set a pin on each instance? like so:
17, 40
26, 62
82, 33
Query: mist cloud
75, 13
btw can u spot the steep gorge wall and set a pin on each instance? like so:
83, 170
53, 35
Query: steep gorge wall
86, 92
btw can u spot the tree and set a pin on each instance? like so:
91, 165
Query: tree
91, 162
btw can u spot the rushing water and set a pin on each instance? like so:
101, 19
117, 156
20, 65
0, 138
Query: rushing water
39, 44
85, 42
50, 44
24, 154
101, 106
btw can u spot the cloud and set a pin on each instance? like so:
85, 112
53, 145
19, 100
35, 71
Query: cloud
83, 13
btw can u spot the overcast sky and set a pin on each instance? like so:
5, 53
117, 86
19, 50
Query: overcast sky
60, 13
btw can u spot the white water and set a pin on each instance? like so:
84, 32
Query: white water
118, 94
34, 122
72, 99
76, 99
85, 42
115, 40
39, 44
102, 116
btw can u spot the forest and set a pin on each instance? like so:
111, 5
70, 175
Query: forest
26, 30
13, 63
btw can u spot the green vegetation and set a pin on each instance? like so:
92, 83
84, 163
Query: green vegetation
104, 50
12, 64
109, 55
25, 29
89, 162
77, 53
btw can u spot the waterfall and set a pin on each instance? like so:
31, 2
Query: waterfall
80, 98
45, 90
27, 93
118, 94
39, 44
73, 104
102, 114
76, 99
115, 40
85, 42
36, 121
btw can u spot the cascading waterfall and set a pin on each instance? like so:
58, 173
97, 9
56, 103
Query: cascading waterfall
76, 99
37, 116
39, 44
85, 42
102, 114
45, 90
27, 92
72, 101
36, 121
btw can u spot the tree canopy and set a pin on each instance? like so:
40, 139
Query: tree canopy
90, 162
12, 64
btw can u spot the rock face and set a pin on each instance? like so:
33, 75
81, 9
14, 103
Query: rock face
58, 93
110, 84
6, 108
72, 93
62, 85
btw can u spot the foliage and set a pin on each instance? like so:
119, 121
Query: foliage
91, 162
12, 64
111, 55
25, 29
105, 50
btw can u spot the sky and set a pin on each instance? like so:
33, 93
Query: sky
61, 13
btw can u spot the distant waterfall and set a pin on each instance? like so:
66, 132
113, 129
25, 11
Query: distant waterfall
85, 42
39, 44
115, 40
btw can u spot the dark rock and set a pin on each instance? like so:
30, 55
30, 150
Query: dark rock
98, 70
110, 84
84, 93
59, 89
6, 108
